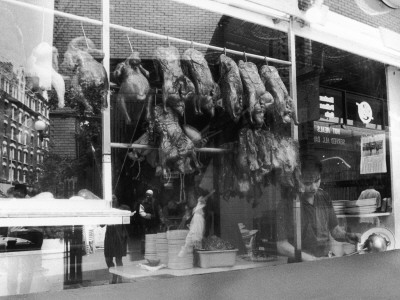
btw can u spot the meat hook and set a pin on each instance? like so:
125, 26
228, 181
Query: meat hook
266, 60
245, 57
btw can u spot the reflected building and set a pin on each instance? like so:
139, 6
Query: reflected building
22, 148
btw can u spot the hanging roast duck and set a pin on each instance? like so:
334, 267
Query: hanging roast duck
284, 105
134, 84
257, 99
177, 88
231, 87
207, 90
89, 81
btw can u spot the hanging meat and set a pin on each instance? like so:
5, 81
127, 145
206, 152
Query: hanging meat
89, 82
231, 87
255, 92
207, 90
177, 88
284, 104
286, 160
134, 85
43, 64
176, 149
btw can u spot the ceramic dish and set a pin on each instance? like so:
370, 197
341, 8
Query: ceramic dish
386, 233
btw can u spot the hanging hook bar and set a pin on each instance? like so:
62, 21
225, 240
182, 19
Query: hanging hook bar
84, 34
129, 41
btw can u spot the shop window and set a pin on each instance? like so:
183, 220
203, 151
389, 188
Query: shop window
12, 133
5, 129
11, 174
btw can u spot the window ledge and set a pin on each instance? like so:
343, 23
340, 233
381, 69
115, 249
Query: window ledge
59, 212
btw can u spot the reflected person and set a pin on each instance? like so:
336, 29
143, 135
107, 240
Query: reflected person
318, 218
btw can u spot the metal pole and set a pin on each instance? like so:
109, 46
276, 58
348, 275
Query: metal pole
295, 135
106, 120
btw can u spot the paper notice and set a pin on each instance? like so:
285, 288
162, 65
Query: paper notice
373, 154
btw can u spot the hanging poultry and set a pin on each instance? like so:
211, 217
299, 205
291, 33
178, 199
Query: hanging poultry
255, 92
207, 90
177, 88
134, 84
176, 149
43, 64
89, 82
284, 105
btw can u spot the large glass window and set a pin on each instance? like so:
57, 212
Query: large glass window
187, 120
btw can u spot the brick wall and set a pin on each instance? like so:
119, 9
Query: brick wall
349, 8
62, 132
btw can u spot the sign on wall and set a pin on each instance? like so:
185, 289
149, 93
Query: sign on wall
373, 154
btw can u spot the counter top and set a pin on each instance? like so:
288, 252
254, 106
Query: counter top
367, 276
134, 271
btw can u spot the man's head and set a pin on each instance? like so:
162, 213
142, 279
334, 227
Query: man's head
149, 194
311, 169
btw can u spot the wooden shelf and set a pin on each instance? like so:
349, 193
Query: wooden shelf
372, 215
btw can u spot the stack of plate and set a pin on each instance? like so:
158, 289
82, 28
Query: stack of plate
150, 247
339, 206
362, 206
176, 239
162, 247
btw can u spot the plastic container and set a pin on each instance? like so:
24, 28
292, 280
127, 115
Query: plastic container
214, 259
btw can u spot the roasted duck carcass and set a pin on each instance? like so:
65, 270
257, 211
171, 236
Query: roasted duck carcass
89, 82
176, 149
255, 90
134, 84
177, 88
207, 90
151, 155
283, 103
43, 64
286, 160
231, 87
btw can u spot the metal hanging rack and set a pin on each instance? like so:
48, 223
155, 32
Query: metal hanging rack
132, 30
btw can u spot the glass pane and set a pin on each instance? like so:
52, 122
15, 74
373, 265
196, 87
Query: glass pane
348, 137
53, 90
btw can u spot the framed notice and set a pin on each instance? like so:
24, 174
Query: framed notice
373, 154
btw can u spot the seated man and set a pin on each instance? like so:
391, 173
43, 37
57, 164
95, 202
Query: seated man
318, 218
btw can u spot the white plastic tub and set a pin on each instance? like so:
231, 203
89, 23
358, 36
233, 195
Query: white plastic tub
213, 259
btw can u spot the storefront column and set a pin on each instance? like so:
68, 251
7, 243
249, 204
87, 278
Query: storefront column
107, 179
393, 90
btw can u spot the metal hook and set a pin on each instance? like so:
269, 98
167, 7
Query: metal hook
225, 51
84, 34
245, 57
266, 60
169, 44
191, 44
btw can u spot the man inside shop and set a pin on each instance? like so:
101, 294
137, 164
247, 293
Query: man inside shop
318, 218
150, 212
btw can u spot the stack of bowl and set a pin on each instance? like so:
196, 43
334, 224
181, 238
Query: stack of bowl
150, 253
176, 240
162, 247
